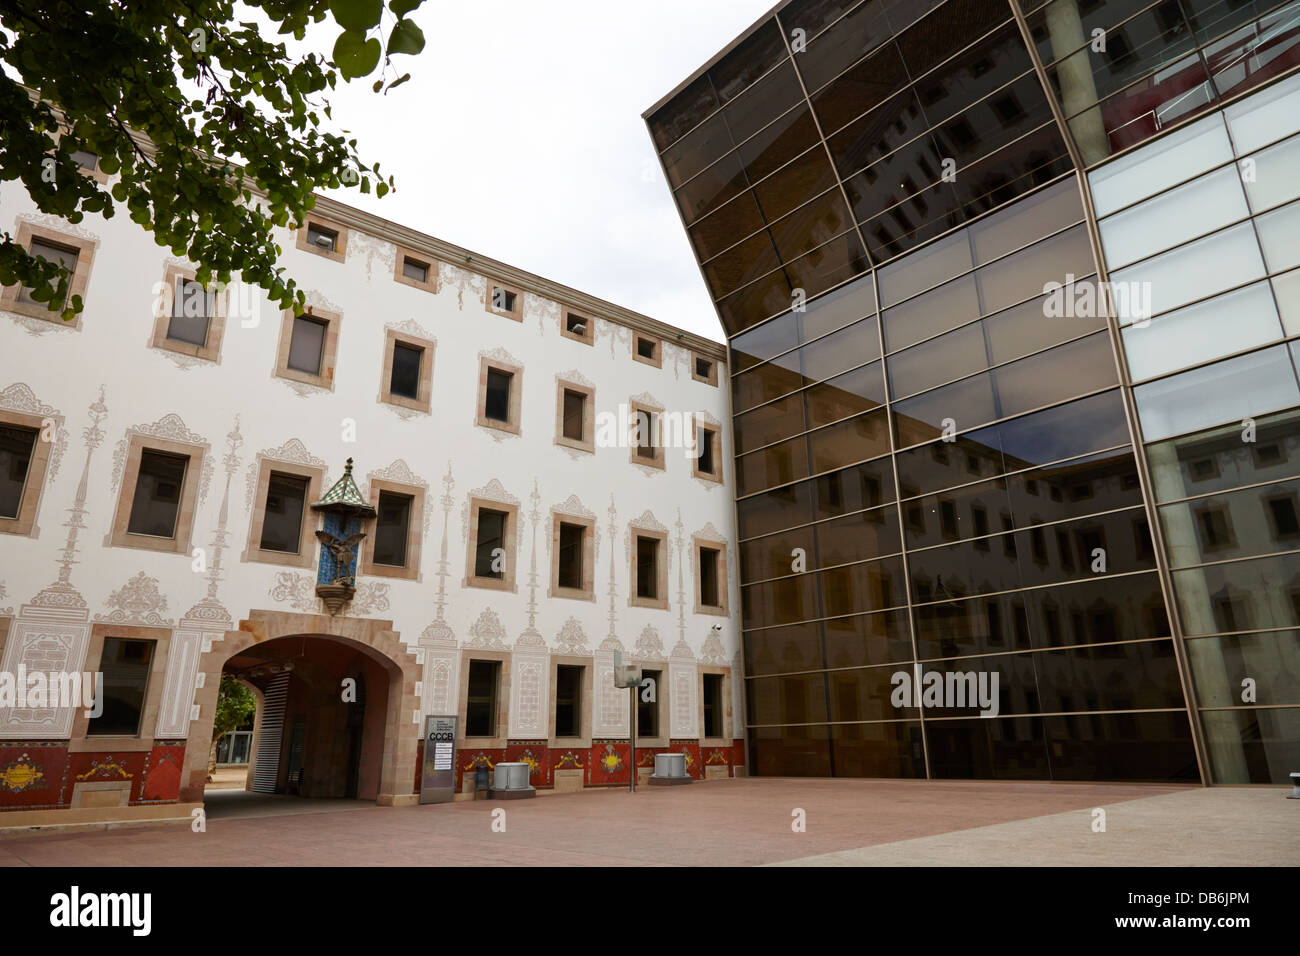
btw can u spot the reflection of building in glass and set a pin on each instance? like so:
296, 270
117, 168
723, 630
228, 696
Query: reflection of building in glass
934, 466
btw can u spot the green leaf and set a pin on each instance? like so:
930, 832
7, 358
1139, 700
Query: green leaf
402, 7
358, 15
397, 82
406, 38
355, 55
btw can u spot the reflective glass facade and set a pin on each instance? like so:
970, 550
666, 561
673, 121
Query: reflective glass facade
941, 469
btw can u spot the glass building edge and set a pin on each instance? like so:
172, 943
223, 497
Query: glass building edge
832, 719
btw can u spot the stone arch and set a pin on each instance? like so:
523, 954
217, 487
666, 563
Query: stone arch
375, 638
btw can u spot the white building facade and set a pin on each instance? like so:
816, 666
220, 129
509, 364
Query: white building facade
158, 525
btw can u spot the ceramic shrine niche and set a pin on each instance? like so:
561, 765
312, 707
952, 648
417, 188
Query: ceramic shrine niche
345, 515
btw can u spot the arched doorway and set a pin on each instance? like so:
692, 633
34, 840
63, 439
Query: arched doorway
338, 707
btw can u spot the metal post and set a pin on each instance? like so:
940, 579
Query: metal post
631, 778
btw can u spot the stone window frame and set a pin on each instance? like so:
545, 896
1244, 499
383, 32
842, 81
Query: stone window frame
509, 580
414, 532
329, 349
77, 281
586, 702
664, 736
656, 413
424, 400
500, 739
712, 377
589, 338
716, 544
490, 286
588, 416
588, 590
657, 361
307, 550
510, 427
727, 729
210, 351
340, 250
179, 543
661, 602
716, 475
143, 739
24, 523
430, 283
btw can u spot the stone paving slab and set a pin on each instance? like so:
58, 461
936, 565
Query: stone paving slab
737, 822
1203, 827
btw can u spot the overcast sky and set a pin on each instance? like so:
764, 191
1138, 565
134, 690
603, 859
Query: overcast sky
520, 137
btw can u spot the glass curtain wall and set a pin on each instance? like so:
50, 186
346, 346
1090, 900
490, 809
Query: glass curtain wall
880, 197
1214, 368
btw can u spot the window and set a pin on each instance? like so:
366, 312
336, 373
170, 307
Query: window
481, 699
575, 416
71, 252
709, 577
308, 346
1282, 517
17, 449
404, 380
415, 269
573, 573
498, 401
711, 699
392, 529
649, 569
496, 404
644, 437
188, 318
708, 443
125, 665
408, 372
647, 711
393, 549
569, 572
64, 256
282, 529
504, 300
1214, 529
286, 502
490, 544
647, 349
324, 238
580, 328
568, 701
192, 307
155, 506
575, 404
491, 557
86, 159
948, 518
704, 370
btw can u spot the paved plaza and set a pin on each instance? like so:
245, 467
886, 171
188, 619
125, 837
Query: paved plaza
739, 822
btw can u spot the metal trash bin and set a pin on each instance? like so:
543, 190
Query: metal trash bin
670, 769
510, 777
670, 765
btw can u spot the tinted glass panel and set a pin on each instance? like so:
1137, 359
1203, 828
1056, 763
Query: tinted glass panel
286, 497
157, 500
392, 529
16, 448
